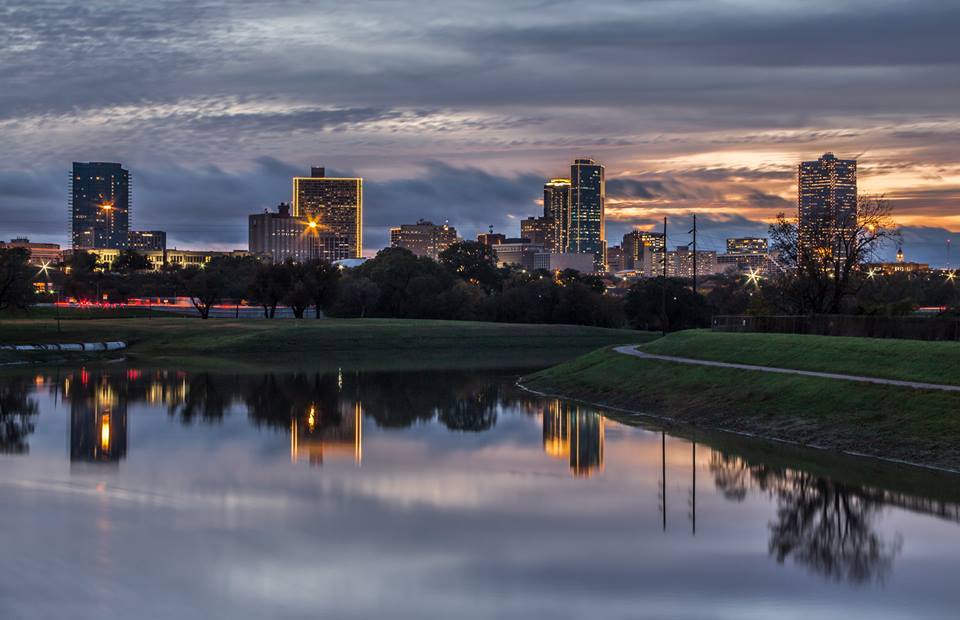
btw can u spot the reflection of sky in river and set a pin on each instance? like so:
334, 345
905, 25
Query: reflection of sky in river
228, 518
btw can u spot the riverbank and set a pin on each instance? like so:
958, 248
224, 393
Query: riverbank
227, 341
896, 423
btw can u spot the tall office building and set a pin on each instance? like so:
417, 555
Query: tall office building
636, 243
335, 205
423, 238
587, 224
827, 204
556, 208
99, 205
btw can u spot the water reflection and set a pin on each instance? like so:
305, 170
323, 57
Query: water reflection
831, 526
17, 413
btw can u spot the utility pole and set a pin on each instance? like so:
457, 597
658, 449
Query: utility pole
663, 285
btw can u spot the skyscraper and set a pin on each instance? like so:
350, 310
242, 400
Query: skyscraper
587, 226
636, 243
99, 205
556, 208
281, 236
335, 205
827, 204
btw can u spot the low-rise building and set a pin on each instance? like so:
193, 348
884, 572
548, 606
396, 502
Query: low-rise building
517, 252
147, 240
40, 253
553, 261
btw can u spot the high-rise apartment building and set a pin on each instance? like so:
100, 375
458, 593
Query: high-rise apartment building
827, 205
99, 205
587, 219
423, 238
556, 209
334, 205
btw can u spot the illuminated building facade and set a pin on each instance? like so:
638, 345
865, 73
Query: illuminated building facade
556, 209
40, 253
517, 252
99, 205
282, 236
539, 230
587, 233
827, 205
748, 245
423, 238
335, 206
147, 240
636, 243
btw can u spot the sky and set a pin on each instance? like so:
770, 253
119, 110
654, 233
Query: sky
458, 111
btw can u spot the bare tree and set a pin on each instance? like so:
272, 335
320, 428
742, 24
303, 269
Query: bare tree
825, 257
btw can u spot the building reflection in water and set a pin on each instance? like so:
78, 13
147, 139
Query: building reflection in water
317, 434
98, 420
575, 434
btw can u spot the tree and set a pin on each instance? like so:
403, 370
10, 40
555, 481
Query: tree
321, 279
16, 275
298, 294
473, 262
130, 261
685, 309
824, 269
355, 296
206, 286
269, 286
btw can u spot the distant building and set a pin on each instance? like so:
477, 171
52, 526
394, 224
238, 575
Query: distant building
147, 240
899, 266
539, 230
635, 243
827, 205
556, 208
552, 261
281, 236
517, 252
747, 245
40, 253
160, 258
335, 206
615, 259
99, 205
423, 238
491, 238
587, 217
679, 263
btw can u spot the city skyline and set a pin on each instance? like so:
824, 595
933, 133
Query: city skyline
689, 107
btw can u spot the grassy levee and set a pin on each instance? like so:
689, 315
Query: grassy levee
918, 426
235, 342
908, 360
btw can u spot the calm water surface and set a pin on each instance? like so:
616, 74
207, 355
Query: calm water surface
135, 493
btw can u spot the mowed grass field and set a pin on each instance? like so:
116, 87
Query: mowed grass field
919, 426
251, 340
908, 360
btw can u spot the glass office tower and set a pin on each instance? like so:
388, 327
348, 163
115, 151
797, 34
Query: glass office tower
99, 205
587, 195
827, 203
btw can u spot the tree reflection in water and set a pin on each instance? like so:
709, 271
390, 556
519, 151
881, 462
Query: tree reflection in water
17, 413
825, 525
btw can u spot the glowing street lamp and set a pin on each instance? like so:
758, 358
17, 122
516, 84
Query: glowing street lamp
872, 273
754, 277
951, 276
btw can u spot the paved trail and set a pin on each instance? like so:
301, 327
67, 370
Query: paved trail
632, 350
